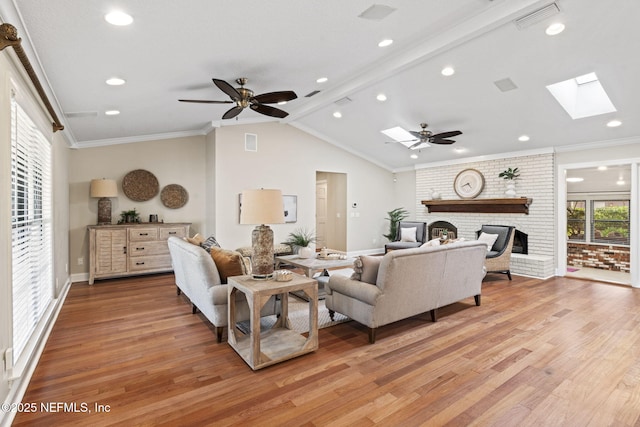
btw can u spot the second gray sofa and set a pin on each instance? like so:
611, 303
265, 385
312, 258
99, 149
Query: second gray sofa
410, 282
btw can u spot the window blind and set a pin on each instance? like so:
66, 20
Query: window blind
31, 227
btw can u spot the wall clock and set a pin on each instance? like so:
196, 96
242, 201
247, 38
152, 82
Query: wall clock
468, 183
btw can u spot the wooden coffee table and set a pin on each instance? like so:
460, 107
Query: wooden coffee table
262, 349
310, 266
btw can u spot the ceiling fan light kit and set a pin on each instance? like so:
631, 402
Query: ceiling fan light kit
244, 97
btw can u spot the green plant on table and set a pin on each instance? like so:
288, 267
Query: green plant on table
129, 216
300, 238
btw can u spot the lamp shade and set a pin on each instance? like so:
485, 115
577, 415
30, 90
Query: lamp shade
262, 207
104, 188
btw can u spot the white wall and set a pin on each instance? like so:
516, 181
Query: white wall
287, 159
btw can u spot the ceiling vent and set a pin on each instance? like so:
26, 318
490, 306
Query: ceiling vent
310, 94
505, 85
343, 101
377, 12
537, 16
81, 114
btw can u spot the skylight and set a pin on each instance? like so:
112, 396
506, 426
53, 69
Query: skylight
582, 96
399, 134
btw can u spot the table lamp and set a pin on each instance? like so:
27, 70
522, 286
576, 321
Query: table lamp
104, 189
261, 207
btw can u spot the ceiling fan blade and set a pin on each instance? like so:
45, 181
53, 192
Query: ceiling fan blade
232, 112
269, 111
228, 89
447, 134
275, 97
441, 141
417, 144
202, 101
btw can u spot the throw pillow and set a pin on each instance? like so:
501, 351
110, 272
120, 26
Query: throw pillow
432, 242
209, 243
370, 265
408, 234
229, 263
488, 239
365, 268
197, 240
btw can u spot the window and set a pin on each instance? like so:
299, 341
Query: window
610, 221
31, 227
576, 220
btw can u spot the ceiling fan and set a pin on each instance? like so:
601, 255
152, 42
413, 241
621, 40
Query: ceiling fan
244, 98
425, 136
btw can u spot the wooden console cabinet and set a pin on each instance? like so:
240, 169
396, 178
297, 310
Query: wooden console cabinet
131, 249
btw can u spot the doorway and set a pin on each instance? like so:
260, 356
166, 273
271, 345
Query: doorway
598, 227
331, 210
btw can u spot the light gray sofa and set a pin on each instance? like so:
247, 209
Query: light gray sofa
410, 282
198, 278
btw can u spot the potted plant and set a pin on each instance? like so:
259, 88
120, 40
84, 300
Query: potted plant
395, 216
300, 239
510, 176
129, 216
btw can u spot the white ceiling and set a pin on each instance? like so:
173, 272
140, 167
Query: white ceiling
173, 49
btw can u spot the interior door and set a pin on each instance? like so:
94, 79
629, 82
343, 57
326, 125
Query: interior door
321, 213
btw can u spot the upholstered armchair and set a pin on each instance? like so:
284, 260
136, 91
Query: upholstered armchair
407, 238
498, 258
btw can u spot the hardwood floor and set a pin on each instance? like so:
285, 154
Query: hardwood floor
559, 352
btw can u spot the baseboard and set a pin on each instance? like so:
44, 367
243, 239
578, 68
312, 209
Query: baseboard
79, 277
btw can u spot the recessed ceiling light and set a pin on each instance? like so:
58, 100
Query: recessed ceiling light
575, 179
620, 182
112, 112
523, 138
448, 71
322, 80
614, 123
602, 168
555, 29
385, 43
337, 114
115, 81
460, 150
414, 156
282, 102
381, 97
118, 18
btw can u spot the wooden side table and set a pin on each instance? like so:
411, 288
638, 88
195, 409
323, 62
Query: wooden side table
279, 343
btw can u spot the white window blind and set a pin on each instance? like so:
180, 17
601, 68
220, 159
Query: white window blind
31, 234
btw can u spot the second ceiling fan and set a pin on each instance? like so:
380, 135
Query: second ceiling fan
244, 98
425, 136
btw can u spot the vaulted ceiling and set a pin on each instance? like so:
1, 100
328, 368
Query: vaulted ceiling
172, 50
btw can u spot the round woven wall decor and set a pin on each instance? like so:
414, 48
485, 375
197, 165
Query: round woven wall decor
174, 196
140, 185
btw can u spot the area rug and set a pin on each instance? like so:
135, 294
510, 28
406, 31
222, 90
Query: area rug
299, 317
572, 269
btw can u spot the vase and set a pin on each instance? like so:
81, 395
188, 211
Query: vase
511, 190
305, 252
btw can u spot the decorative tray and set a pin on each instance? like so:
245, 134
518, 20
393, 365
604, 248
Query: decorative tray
140, 185
174, 196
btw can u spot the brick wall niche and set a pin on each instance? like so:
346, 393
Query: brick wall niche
603, 257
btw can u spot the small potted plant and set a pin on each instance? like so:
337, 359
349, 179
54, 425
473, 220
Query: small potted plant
510, 176
129, 216
300, 239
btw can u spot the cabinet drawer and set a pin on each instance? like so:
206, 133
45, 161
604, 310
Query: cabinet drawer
148, 248
166, 232
154, 262
141, 234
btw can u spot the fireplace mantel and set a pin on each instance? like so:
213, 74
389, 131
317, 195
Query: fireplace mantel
512, 205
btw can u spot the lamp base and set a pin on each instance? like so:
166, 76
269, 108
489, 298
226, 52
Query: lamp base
104, 211
262, 258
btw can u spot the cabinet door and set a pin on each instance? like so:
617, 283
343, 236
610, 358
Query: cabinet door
111, 251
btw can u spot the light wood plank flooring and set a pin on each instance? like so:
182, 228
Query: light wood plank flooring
559, 352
